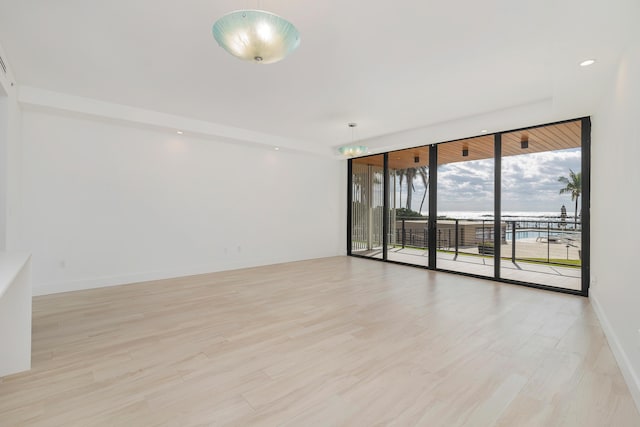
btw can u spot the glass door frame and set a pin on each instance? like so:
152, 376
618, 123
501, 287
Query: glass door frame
585, 137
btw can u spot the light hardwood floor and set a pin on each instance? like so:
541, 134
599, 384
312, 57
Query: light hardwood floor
335, 341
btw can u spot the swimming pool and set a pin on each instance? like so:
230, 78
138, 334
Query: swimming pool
534, 234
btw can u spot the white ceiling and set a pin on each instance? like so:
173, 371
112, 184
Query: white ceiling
390, 66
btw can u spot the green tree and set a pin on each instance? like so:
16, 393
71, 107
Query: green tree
573, 186
404, 213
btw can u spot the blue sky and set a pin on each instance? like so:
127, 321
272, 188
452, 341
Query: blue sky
529, 183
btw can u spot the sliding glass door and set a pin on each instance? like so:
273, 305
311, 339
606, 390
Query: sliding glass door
465, 223
367, 206
541, 191
506, 206
408, 206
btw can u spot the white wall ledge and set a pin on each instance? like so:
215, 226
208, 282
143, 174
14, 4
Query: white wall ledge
10, 266
15, 313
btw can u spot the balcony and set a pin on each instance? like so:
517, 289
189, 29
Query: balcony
539, 252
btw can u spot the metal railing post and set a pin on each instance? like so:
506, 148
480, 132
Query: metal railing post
483, 237
457, 243
548, 244
404, 235
513, 242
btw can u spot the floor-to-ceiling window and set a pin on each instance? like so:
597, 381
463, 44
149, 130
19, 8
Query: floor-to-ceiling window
465, 226
541, 192
367, 206
408, 206
507, 206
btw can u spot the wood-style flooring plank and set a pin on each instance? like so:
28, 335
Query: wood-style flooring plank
327, 342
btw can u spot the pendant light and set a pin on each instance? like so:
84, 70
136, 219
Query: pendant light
352, 150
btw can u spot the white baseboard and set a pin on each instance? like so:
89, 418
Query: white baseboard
106, 281
628, 372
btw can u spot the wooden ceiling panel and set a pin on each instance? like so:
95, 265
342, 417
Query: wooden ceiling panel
560, 136
404, 159
478, 148
376, 160
546, 138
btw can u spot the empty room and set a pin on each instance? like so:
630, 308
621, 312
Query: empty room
271, 213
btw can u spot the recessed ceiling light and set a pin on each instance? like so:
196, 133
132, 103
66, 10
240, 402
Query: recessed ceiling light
587, 62
276, 148
483, 131
179, 132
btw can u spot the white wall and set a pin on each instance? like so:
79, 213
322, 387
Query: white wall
4, 143
615, 213
107, 203
10, 161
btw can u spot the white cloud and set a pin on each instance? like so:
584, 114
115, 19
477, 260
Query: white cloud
529, 183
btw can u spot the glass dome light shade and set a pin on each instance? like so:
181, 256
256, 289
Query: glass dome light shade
353, 150
256, 36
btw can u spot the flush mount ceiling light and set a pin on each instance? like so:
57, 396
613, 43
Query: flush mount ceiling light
587, 62
352, 150
256, 36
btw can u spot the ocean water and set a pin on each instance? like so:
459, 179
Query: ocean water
507, 215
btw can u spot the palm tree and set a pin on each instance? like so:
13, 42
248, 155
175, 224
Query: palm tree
400, 173
410, 174
573, 186
424, 175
